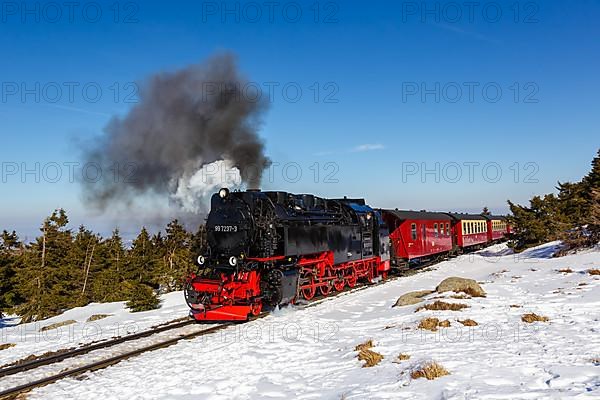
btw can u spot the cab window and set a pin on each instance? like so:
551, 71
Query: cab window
413, 231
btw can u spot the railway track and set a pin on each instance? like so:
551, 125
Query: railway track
28, 365
11, 393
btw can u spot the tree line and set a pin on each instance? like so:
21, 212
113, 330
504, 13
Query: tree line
62, 268
572, 215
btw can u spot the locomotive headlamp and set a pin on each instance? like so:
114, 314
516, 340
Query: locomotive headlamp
232, 261
223, 193
200, 260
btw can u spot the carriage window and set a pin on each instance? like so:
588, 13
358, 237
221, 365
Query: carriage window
439, 230
413, 231
435, 230
447, 228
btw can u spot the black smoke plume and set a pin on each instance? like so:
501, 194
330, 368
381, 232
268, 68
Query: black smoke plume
184, 119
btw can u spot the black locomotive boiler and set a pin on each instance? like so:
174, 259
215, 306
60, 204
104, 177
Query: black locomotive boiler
271, 248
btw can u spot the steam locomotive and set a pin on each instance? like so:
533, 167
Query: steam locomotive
271, 248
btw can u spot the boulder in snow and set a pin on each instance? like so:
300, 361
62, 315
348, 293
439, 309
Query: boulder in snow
412, 298
456, 284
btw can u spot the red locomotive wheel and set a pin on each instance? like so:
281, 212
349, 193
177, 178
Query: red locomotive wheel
351, 279
326, 289
255, 308
339, 282
309, 290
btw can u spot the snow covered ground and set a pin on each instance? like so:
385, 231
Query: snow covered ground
308, 352
31, 339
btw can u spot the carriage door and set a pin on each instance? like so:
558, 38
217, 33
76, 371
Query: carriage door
366, 221
423, 239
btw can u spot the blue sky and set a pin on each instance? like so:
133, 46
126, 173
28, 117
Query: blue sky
371, 124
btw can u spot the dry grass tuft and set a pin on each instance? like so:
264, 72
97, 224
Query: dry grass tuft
57, 325
565, 270
370, 357
430, 371
442, 306
596, 360
515, 306
403, 357
594, 271
582, 284
96, 317
430, 324
5, 346
468, 322
532, 317
364, 346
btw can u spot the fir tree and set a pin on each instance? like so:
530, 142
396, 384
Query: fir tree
572, 216
82, 264
176, 256
141, 297
9, 252
140, 263
41, 280
107, 285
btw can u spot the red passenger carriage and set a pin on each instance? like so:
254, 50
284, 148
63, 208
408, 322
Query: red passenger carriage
497, 228
417, 235
470, 230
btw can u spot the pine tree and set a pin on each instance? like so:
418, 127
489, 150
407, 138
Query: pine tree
594, 219
9, 253
175, 251
486, 211
141, 260
572, 216
536, 224
41, 279
107, 285
591, 184
198, 243
141, 297
82, 264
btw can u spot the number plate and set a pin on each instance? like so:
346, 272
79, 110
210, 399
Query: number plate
226, 228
